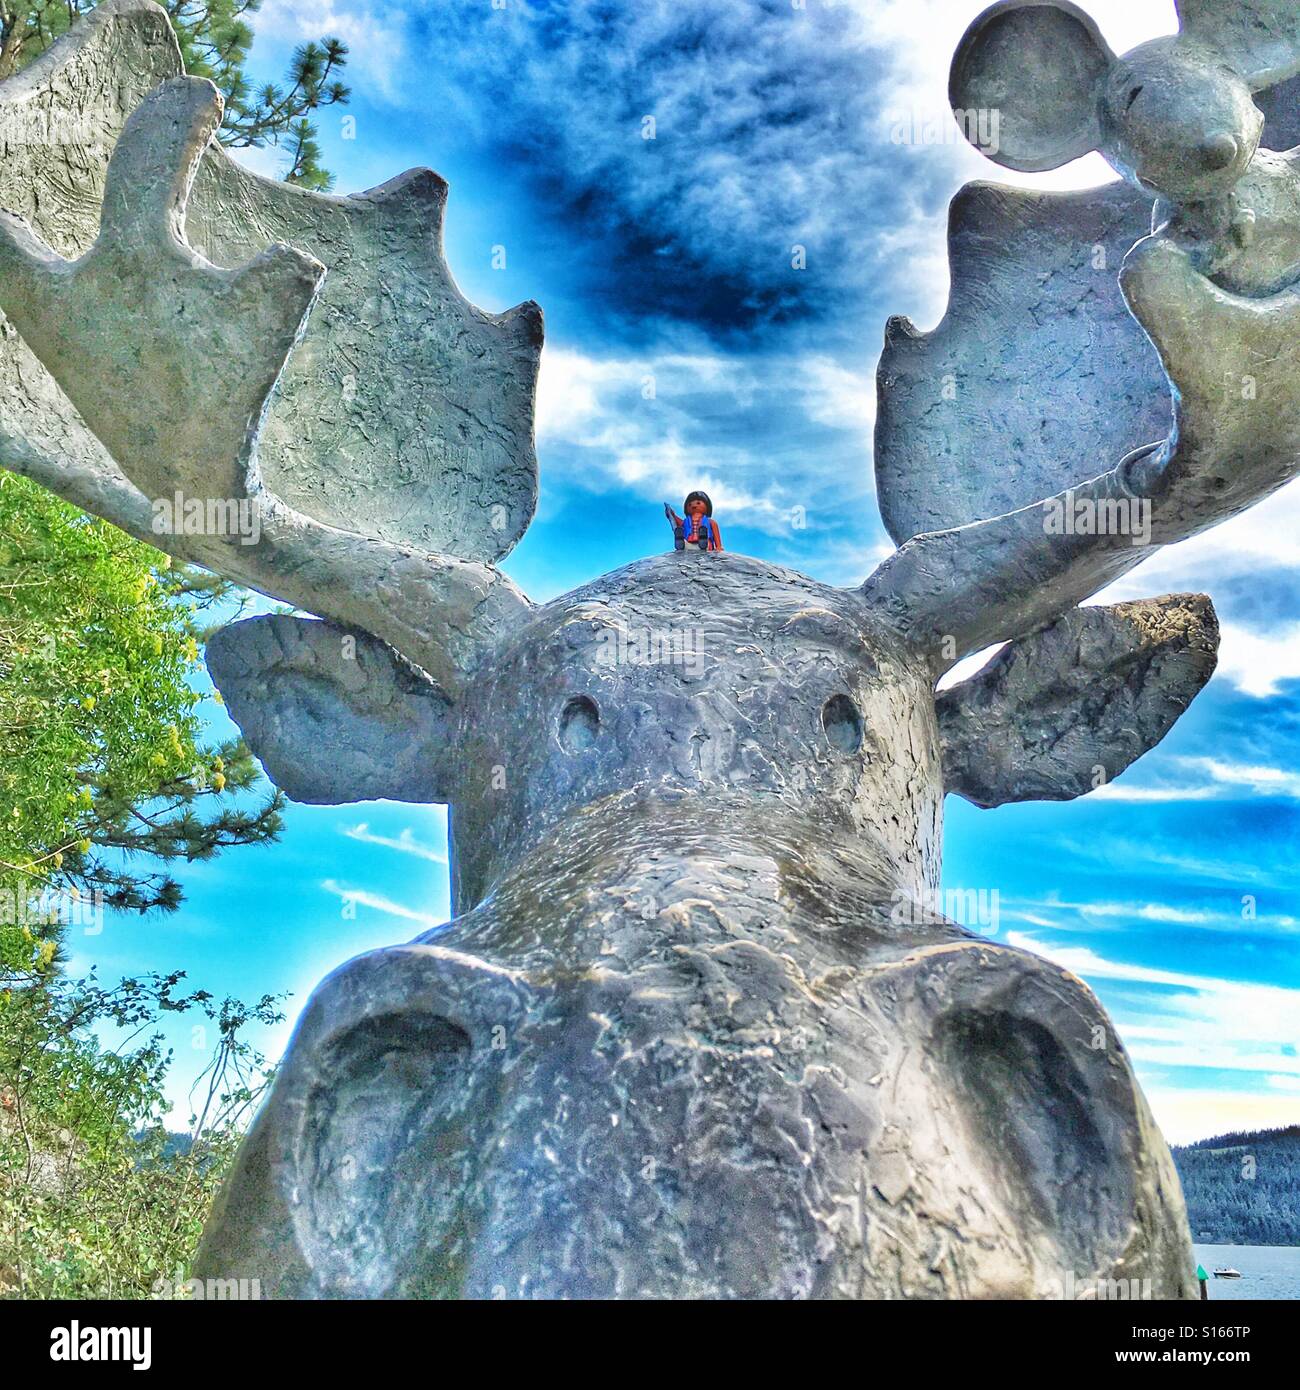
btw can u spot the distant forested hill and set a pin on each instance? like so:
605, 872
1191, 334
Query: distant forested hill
1243, 1189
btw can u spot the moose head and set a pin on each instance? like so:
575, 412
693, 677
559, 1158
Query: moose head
696, 1027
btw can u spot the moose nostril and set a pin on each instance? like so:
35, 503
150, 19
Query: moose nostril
1132, 97
1219, 151
843, 723
579, 723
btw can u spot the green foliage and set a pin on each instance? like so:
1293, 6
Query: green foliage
1243, 1189
215, 38
94, 660
98, 648
103, 783
97, 1198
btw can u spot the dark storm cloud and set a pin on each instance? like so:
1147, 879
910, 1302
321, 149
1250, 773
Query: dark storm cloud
768, 135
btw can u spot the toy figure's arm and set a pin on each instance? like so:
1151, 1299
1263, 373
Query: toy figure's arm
717, 535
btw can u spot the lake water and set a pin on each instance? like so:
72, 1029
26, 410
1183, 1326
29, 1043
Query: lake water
1267, 1271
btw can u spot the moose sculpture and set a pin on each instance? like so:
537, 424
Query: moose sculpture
695, 1029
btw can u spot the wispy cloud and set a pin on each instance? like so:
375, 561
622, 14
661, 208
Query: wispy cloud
1121, 791
727, 165
1199, 1022
753, 431
378, 903
405, 843
1182, 863
1257, 780
1075, 916
1225, 779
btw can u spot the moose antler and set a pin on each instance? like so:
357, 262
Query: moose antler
1233, 365
994, 561
171, 358
178, 367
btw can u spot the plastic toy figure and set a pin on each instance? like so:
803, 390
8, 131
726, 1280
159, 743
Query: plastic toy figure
698, 531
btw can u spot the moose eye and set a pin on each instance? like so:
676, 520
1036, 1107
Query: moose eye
1132, 97
843, 724
579, 724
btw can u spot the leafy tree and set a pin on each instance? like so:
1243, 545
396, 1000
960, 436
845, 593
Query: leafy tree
97, 1198
99, 646
99, 643
104, 768
215, 38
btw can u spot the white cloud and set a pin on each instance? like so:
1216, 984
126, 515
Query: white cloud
1150, 912
835, 396
1258, 781
1200, 1022
375, 35
1265, 867
1225, 780
647, 424
1134, 913
569, 385
381, 904
1258, 663
1121, 791
1265, 537
270, 161
405, 843
969, 666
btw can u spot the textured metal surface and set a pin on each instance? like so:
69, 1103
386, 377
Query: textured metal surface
1036, 379
1039, 69
1281, 108
682, 1052
698, 1029
1260, 38
59, 121
1038, 364
405, 414
1064, 712
184, 398
1235, 362
173, 359
1214, 291
301, 688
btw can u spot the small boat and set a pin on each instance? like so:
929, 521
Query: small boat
1227, 1273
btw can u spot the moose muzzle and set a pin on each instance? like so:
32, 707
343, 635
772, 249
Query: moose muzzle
742, 1066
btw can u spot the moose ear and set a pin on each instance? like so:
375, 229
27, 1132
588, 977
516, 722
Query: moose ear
1026, 81
1055, 714
334, 715
1260, 39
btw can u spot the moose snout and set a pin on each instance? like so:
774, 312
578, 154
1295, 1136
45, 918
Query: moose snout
721, 1069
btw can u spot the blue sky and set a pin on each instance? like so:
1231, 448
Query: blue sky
1172, 892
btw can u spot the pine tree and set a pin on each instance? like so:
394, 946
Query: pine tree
215, 38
